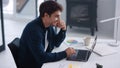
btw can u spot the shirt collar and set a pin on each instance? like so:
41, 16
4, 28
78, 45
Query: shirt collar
42, 24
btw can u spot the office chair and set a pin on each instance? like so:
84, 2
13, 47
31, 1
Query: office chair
14, 46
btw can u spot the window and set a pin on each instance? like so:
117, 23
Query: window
8, 6
39, 2
0, 34
2, 40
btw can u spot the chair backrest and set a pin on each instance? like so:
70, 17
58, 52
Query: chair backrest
14, 46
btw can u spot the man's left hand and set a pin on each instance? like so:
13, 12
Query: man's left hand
61, 24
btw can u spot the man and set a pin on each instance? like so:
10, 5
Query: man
32, 52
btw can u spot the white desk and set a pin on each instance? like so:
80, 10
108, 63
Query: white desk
110, 61
6, 59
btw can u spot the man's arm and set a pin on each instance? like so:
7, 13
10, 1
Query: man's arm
37, 49
59, 38
42, 57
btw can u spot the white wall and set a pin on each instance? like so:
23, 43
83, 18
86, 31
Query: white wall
106, 9
63, 3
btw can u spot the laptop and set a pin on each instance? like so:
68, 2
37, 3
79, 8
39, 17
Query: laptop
83, 55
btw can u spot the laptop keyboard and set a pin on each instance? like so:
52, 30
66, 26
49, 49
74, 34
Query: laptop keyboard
82, 54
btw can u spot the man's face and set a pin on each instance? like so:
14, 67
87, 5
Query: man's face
54, 18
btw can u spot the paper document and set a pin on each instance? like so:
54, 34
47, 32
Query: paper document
62, 64
73, 41
103, 49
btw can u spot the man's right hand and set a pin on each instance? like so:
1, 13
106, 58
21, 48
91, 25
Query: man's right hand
70, 51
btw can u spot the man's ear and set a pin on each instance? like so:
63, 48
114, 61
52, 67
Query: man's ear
46, 15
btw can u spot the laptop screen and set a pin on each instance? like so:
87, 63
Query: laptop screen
94, 43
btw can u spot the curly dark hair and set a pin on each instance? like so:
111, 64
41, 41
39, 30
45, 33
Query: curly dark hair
49, 7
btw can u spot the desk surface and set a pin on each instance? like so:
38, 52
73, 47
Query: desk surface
6, 59
110, 61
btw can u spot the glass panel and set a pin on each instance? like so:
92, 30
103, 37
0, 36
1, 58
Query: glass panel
25, 9
79, 13
20, 5
1, 42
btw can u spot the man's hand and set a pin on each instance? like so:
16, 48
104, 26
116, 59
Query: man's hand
70, 51
61, 24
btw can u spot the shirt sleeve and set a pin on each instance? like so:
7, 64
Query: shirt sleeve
59, 38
